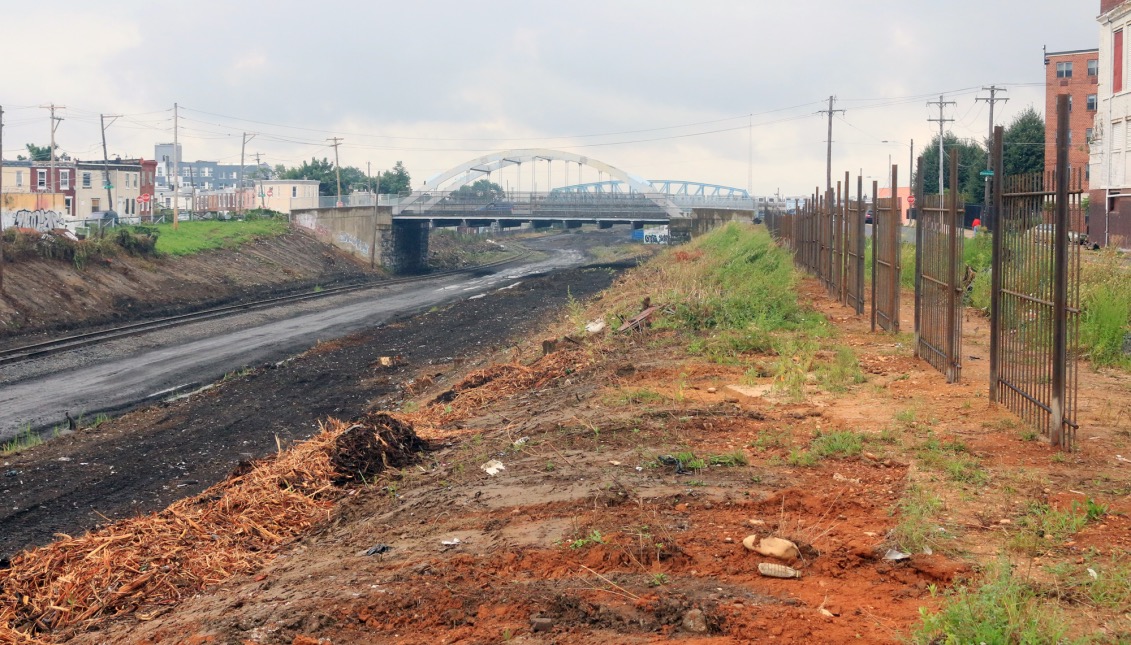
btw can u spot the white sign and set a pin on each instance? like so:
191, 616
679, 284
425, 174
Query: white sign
656, 235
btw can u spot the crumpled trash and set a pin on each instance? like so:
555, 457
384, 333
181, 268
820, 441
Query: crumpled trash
452, 542
595, 326
521, 442
493, 467
669, 460
895, 554
378, 549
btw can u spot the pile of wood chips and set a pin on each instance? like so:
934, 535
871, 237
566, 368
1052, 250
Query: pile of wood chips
492, 383
146, 564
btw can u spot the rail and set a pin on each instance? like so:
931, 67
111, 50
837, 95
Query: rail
35, 350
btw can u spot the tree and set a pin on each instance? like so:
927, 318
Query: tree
37, 153
1024, 142
482, 189
396, 181
971, 162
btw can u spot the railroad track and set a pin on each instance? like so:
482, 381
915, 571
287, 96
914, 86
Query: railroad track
67, 343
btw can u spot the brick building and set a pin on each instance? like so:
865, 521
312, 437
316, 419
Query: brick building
1075, 73
1109, 211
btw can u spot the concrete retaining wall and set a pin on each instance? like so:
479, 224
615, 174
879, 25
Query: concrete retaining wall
359, 231
369, 234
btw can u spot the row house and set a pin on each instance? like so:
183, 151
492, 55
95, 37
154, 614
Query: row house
224, 202
89, 187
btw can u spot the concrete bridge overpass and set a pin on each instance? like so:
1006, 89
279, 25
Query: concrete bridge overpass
396, 235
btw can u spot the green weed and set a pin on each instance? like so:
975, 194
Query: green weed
22, 441
917, 528
842, 372
1003, 609
837, 444
594, 537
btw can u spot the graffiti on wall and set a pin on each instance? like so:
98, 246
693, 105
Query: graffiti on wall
353, 244
40, 220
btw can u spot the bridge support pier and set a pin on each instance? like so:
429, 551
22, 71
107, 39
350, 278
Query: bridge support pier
406, 250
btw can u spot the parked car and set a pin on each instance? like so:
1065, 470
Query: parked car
868, 217
1048, 231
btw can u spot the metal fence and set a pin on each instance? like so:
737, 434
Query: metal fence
939, 237
886, 256
852, 286
1035, 292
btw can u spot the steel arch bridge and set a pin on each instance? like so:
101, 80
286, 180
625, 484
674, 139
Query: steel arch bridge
670, 187
436, 189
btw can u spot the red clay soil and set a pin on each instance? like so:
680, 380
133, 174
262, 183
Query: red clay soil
592, 535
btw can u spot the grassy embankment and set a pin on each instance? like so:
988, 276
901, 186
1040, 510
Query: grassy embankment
194, 237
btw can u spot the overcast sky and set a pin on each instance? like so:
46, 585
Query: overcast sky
663, 89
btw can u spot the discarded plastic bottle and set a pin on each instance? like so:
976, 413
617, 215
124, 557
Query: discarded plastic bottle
774, 570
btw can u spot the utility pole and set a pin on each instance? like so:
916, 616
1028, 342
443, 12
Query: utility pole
106, 160
239, 189
993, 90
192, 187
829, 154
54, 126
259, 173
942, 121
176, 173
337, 141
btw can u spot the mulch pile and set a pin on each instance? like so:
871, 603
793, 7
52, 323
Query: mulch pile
492, 383
145, 565
373, 444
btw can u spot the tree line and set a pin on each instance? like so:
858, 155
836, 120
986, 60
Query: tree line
395, 181
1024, 153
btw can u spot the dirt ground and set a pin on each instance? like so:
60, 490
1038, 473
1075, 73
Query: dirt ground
591, 533
144, 460
52, 296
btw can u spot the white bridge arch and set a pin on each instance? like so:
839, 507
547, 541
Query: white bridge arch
440, 186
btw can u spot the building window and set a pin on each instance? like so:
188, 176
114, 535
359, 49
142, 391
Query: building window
41, 179
19, 178
86, 180
1093, 68
1088, 134
1064, 69
1091, 102
95, 203
64, 180
1117, 61
294, 191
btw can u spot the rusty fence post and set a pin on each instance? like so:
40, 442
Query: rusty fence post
1060, 276
875, 245
952, 329
996, 263
897, 247
919, 205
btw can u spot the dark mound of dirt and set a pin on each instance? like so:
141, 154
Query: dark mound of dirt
374, 443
